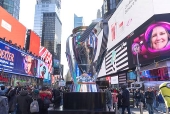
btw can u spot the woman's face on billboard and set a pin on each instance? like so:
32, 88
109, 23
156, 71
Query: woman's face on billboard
159, 38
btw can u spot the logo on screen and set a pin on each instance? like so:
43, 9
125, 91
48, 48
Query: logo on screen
113, 60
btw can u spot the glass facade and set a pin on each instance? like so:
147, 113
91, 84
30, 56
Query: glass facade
51, 33
46, 6
12, 6
109, 6
78, 21
47, 24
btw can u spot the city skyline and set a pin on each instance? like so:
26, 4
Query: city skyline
89, 14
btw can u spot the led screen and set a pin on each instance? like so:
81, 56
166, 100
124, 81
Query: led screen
85, 78
11, 28
151, 41
15, 61
43, 71
34, 44
131, 76
129, 22
160, 74
56, 63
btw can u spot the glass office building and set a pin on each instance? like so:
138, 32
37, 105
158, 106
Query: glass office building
47, 24
78, 21
45, 6
12, 6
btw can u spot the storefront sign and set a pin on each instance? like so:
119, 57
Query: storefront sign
114, 80
3, 79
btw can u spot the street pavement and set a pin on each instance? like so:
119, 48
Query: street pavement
137, 111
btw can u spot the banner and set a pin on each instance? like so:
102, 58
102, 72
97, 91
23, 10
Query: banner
17, 62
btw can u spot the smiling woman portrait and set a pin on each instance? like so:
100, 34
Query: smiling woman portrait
157, 36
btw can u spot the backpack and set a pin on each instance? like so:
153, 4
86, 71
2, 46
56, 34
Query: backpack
34, 107
4, 108
47, 102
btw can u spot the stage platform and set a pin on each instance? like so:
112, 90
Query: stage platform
62, 111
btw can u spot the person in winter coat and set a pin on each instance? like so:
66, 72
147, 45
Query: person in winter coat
35, 96
12, 101
119, 97
45, 95
125, 100
56, 98
23, 102
115, 99
161, 102
137, 97
149, 95
109, 100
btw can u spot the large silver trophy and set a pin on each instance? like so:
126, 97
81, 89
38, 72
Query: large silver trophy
85, 54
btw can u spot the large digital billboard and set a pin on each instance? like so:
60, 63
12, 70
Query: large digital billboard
11, 28
17, 62
132, 29
47, 57
34, 44
151, 41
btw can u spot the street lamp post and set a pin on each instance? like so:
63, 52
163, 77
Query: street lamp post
136, 49
138, 68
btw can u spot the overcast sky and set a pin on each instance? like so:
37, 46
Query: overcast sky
86, 8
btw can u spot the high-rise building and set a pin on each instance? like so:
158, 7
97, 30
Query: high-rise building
51, 34
45, 6
78, 21
12, 7
109, 7
98, 13
47, 24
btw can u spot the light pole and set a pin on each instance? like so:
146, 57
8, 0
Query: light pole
136, 49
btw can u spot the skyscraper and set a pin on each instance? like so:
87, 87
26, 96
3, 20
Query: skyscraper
78, 21
47, 24
12, 7
109, 7
98, 13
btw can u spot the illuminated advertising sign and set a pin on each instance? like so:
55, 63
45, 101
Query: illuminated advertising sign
43, 71
17, 62
11, 28
34, 44
56, 63
47, 57
131, 29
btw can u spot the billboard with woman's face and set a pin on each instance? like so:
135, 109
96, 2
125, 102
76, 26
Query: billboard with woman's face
151, 41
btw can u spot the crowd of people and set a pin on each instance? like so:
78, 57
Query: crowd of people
28, 99
151, 99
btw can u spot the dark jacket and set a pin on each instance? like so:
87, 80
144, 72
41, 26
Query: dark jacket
108, 97
160, 99
119, 96
24, 101
125, 98
138, 95
149, 97
56, 98
12, 100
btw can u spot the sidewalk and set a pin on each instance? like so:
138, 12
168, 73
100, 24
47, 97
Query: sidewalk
136, 111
